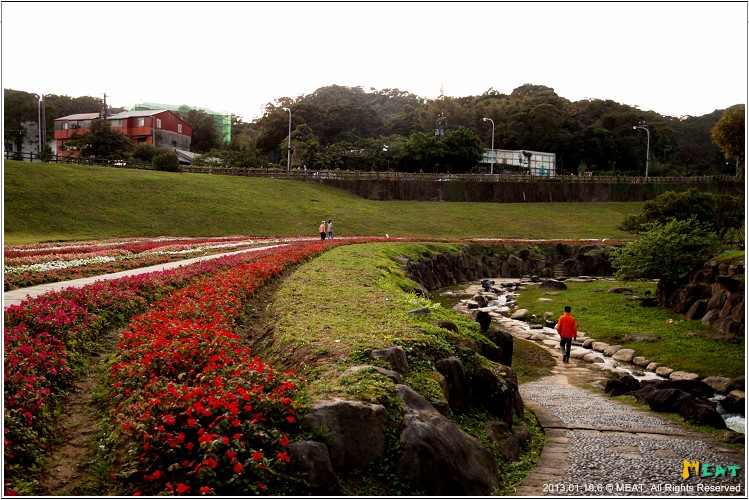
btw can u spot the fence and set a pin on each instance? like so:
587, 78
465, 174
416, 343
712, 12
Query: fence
360, 175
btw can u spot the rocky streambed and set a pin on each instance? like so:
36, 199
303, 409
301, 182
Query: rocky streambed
638, 373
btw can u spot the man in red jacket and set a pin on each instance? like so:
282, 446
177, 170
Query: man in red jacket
567, 329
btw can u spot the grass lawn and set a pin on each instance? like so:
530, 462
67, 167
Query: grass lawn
63, 202
684, 345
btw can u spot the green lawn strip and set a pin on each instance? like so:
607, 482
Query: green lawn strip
100, 203
332, 311
610, 317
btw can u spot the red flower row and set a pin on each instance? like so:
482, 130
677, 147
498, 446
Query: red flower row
204, 415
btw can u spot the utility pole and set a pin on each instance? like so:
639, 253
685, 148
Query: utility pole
104, 111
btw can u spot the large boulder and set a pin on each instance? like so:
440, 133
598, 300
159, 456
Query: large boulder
394, 356
310, 462
664, 400
453, 381
494, 388
503, 340
702, 412
356, 431
438, 458
622, 385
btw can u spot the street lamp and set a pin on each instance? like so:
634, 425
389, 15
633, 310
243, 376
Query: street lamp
647, 153
288, 146
490, 120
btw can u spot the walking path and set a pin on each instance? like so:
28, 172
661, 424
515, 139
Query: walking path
596, 446
15, 297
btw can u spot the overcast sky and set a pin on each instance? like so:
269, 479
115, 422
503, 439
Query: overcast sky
673, 58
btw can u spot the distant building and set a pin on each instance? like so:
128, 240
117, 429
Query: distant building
529, 162
161, 128
221, 121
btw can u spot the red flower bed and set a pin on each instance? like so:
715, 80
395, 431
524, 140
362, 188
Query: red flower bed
47, 337
203, 414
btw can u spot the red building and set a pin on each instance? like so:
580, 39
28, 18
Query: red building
161, 128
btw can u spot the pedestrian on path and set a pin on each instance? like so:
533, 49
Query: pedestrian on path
322, 230
567, 329
330, 229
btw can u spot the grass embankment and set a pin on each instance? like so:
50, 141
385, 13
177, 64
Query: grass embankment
46, 202
684, 344
331, 312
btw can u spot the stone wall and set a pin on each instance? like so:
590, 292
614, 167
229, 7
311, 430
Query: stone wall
533, 190
476, 262
713, 294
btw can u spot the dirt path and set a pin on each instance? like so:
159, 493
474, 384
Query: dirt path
68, 468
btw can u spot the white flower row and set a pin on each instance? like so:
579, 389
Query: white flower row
57, 264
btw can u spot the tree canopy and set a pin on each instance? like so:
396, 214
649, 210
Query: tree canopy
729, 133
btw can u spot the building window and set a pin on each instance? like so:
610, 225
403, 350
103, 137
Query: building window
65, 125
158, 122
141, 122
179, 128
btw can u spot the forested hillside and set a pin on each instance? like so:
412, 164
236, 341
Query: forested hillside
390, 129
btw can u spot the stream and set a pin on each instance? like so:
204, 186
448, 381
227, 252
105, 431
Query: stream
500, 304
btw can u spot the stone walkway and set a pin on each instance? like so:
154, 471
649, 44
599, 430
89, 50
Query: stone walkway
598, 447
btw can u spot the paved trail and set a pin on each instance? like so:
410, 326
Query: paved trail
598, 447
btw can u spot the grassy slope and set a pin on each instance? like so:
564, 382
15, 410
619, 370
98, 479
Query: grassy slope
75, 202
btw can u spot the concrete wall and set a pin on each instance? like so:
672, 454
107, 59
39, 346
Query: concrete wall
533, 190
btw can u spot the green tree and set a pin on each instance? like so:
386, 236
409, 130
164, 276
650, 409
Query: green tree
145, 152
204, 135
728, 134
723, 214
18, 107
665, 251
100, 141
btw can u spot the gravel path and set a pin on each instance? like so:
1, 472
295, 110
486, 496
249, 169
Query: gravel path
598, 447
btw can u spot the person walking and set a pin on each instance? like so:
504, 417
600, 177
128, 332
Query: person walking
322, 230
330, 229
567, 329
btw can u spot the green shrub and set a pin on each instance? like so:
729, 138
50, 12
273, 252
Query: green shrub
666, 251
166, 162
723, 213
145, 152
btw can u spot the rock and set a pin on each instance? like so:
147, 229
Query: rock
640, 361
734, 403
599, 346
552, 285
394, 356
698, 310
394, 376
665, 400
484, 320
420, 310
310, 462
520, 314
545, 299
718, 384
593, 358
619, 289
480, 300
680, 375
653, 366
471, 304
738, 383
624, 355
504, 341
508, 443
449, 325
587, 343
701, 411
694, 387
611, 350
663, 371
356, 431
622, 385
494, 388
641, 337
578, 353
454, 381
438, 458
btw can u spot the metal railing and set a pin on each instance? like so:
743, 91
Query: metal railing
364, 175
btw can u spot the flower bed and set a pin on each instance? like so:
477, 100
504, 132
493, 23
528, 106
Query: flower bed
29, 265
47, 338
202, 414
